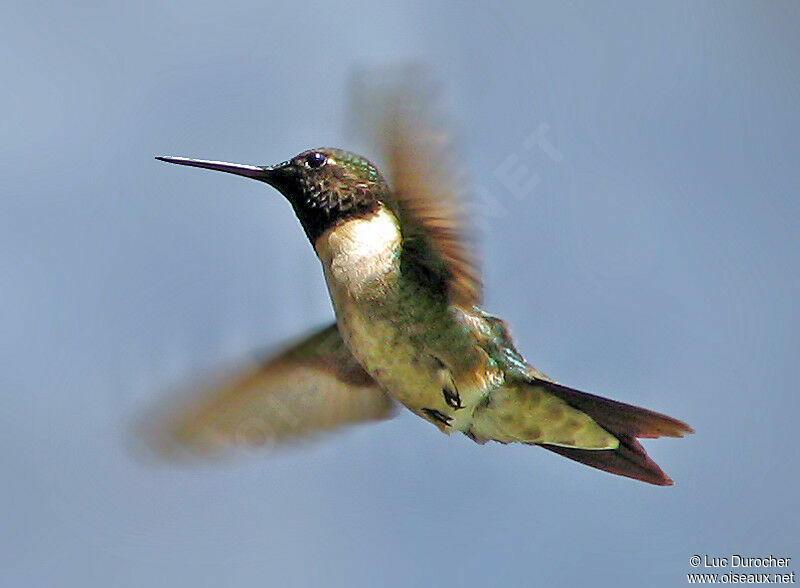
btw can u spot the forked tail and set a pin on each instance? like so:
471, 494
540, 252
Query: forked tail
626, 422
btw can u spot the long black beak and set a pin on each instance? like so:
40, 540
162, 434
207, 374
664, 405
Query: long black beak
265, 174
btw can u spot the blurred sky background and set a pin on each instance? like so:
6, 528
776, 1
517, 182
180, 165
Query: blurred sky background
655, 261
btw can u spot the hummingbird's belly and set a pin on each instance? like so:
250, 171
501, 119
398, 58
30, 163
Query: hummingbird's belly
439, 376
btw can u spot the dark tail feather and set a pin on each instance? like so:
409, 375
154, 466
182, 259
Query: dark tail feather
629, 460
626, 422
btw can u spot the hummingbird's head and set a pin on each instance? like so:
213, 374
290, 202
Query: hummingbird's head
324, 186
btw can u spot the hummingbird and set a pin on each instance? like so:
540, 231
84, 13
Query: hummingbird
409, 327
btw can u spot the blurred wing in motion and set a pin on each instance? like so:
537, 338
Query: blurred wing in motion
399, 110
315, 385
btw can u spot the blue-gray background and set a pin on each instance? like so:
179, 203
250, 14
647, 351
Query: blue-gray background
655, 261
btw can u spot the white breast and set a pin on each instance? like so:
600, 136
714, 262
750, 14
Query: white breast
359, 252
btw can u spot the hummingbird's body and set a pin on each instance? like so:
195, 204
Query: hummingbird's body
382, 304
409, 328
441, 361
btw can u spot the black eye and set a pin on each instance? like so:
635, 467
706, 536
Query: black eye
316, 159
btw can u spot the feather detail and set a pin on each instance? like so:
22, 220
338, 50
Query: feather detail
626, 422
315, 385
427, 194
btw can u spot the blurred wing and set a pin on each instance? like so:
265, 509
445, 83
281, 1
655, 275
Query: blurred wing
313, 386
420, 158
